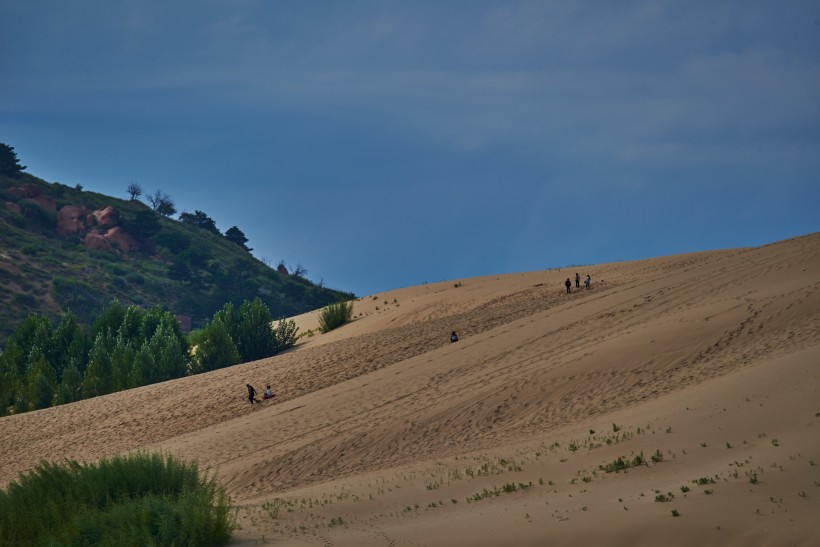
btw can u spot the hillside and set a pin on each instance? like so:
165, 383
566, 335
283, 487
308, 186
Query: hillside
697, 372
63, 248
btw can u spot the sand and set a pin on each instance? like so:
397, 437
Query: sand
384, 433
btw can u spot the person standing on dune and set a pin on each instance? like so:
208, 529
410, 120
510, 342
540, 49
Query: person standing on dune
251, 394
577, 281
568, 283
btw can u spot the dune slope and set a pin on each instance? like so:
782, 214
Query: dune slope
384, 433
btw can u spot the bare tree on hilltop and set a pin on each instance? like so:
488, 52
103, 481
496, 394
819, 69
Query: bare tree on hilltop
162, 203
134, 190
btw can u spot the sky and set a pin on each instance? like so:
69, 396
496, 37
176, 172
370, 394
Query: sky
387, 144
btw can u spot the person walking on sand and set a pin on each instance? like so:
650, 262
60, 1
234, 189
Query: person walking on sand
587, 281
251, 394
577, 281
568, 283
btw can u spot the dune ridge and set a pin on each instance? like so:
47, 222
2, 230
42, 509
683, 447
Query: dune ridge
707, 360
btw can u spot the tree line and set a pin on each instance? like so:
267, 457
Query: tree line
46, 364
163, 204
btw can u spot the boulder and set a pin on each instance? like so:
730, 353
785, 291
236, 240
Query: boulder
13, 207
120, 239
105, 218
97, 242
282, 270
71, 220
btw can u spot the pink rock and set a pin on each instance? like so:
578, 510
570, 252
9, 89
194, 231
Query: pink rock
97, 241
13, 207
120, 239
71, 220
105, 218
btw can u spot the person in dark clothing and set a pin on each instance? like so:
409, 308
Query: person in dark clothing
453, 337
568, 283
577, 281
251, 394
587, 281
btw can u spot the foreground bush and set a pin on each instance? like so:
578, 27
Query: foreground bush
132, 500
335, 315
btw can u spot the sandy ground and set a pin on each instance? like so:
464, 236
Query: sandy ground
700, 371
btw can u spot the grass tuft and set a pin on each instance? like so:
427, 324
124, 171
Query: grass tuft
139, 499
335, 315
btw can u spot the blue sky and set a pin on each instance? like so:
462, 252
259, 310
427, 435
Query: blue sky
387, 144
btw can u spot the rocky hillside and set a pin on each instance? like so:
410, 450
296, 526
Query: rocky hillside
63, 248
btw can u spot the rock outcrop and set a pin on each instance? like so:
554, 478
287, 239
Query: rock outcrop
121, 240
105, 218
71, 220
98, 242
99, 229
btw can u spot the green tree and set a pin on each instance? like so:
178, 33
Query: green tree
9, 380
143, 225
237, 236
169, 360
255, 339
122, 363
41, 384
69, 344
9, 165
200, 220
285, 334
216, 349
70, 388
98, 378
109, 320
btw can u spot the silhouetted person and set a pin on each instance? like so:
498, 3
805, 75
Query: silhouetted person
587, 281
251, 394
568, 283
453, 337
577, 281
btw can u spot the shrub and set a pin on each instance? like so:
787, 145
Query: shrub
335, 315
139, 499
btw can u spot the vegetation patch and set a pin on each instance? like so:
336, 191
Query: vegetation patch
134, 500
335, 315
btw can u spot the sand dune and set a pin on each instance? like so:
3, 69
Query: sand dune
384, 433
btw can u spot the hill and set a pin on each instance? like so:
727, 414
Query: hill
674, 403
63, 248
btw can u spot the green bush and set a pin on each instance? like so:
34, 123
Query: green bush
134, 500
335, 315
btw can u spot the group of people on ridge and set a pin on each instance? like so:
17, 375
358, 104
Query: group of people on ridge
568, 283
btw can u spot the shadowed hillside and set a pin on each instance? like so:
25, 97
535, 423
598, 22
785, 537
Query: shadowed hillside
697, 372
63, 248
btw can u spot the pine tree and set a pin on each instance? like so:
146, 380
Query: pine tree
9, 165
